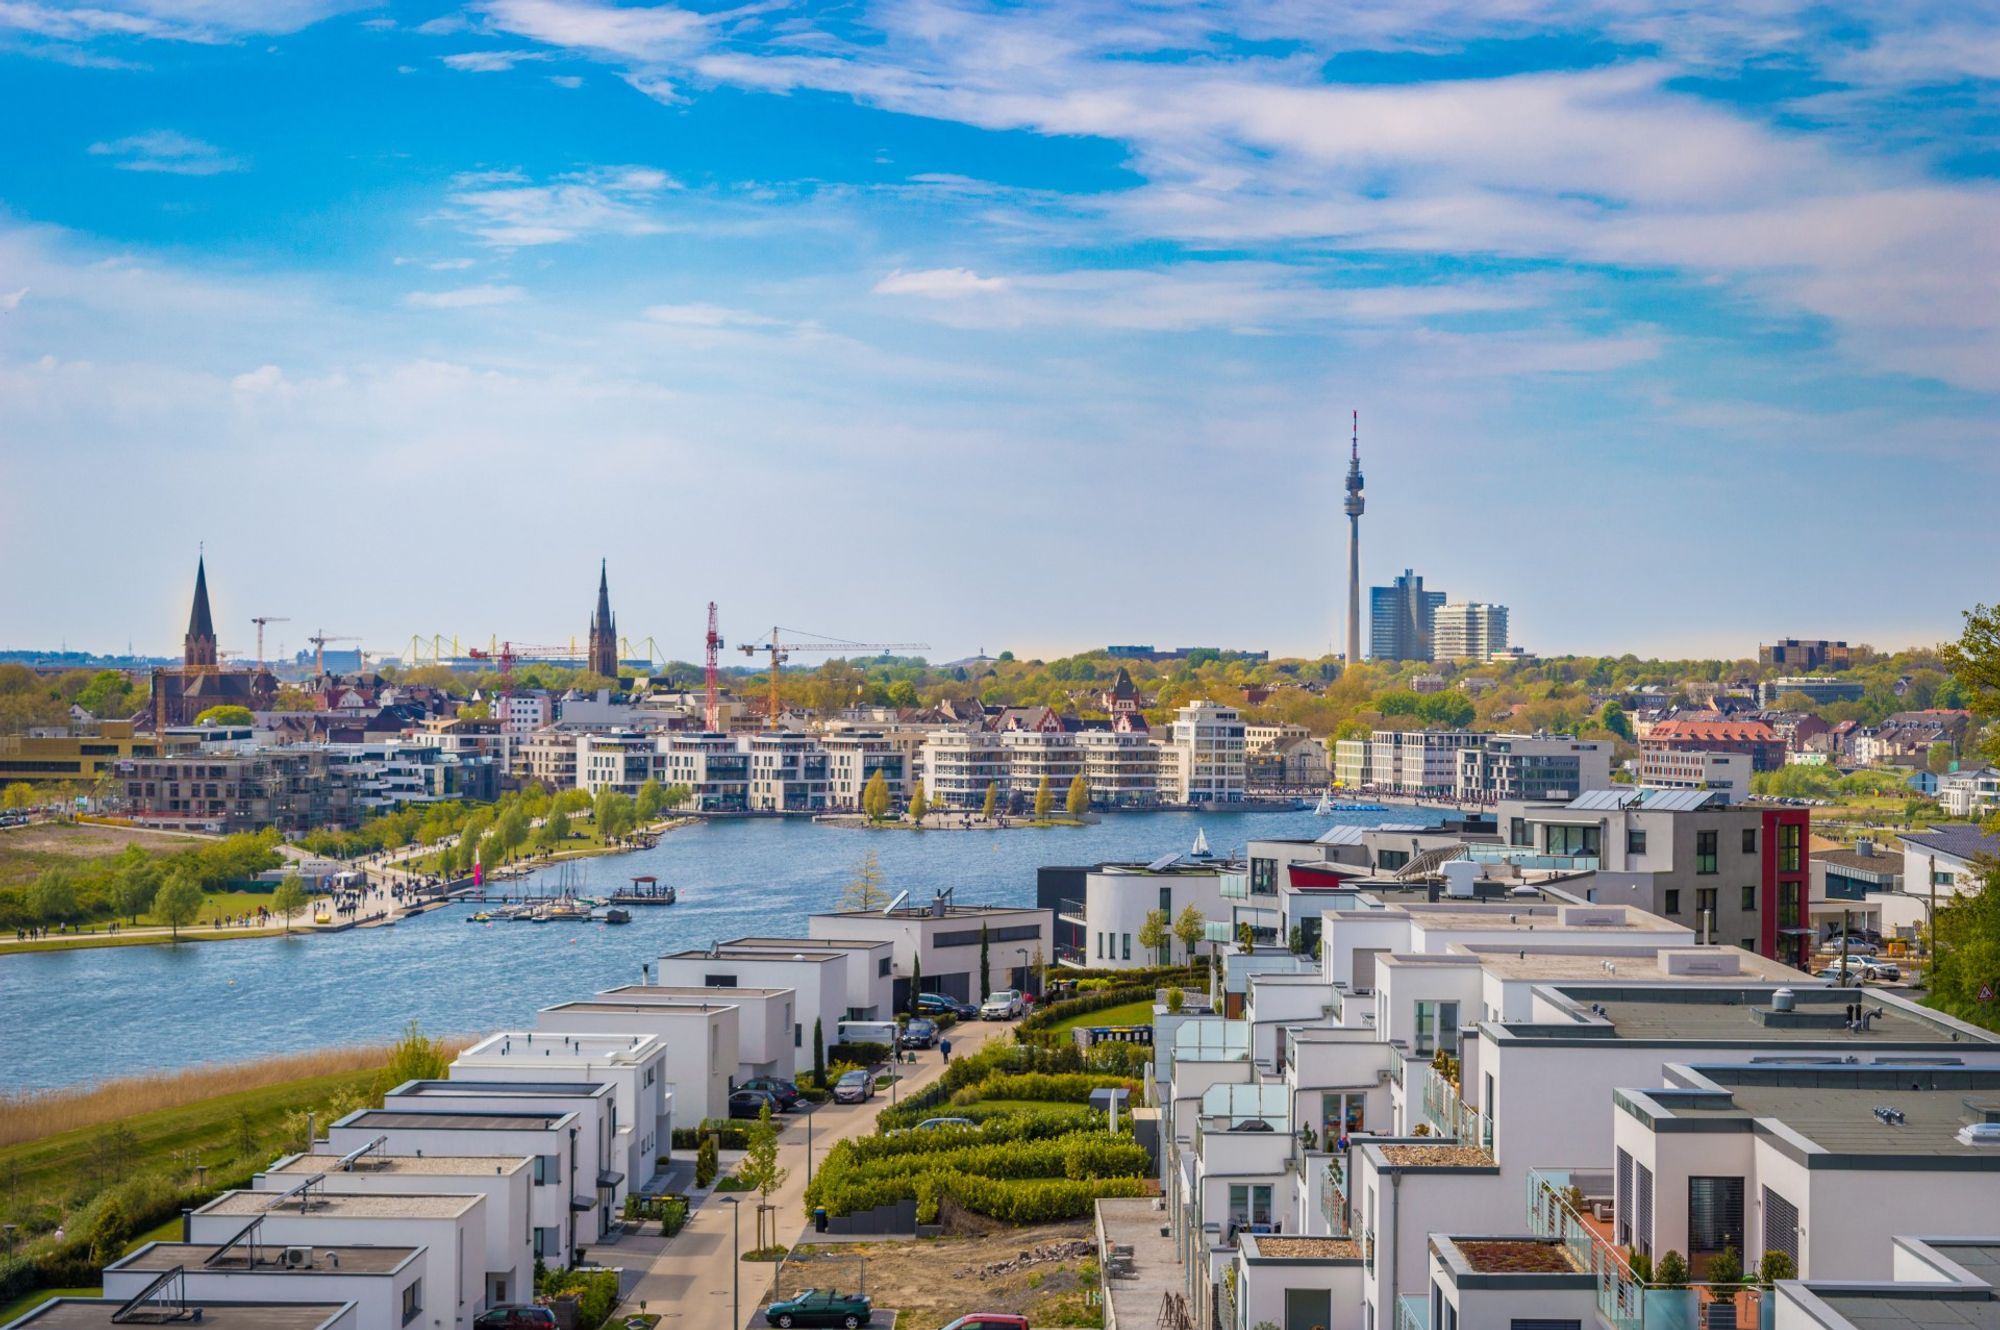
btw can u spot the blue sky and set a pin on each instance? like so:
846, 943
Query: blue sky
1025, 325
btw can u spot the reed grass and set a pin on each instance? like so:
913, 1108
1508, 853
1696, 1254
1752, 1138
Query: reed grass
33, 1114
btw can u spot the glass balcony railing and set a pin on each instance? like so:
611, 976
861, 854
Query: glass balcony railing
1451, 1115
1412, 1312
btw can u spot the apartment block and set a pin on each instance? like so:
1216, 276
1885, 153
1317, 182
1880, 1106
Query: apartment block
1469, 630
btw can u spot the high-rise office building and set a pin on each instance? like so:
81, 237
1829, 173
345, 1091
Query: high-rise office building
1403, 619
1470, 630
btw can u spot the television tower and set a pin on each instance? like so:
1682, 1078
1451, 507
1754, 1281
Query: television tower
1356, 502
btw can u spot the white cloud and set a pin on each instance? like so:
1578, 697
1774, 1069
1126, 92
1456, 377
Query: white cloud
938, 283
263, 379
167, 151
638, 32
566, 80
11, 300
491, 62
504, 210
465, 297
202, 21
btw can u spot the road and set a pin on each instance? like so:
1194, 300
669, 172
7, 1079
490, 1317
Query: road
687, 1278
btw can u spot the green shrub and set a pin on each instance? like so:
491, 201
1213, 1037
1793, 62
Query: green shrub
1058, 1088
857, 1054
1775, 1266
1725, 1268
706, 1162
1051, 1013
596, 1292
1671, 1271
728, 1135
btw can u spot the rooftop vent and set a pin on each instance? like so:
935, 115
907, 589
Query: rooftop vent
1784, 999
1979, 1133
1889, 1117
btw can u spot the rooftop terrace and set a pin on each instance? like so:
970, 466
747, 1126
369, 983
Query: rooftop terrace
341, 1205
156, 1257
1735, 1013
96, 1314
1857, 1112
406, 1165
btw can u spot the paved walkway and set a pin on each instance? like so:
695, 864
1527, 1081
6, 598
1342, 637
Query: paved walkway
686, 1279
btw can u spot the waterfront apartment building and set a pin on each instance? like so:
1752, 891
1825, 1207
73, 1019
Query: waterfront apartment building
852, 759
1469, 630
1111, 913
788, 773
714, 766
1121, 767
945, 939
1034, 756
1535, 767
623, 762
287, 788
1402, 619
958, 765
1420, 761
1202, 761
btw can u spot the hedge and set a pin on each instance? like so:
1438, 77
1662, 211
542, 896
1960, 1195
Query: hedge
1022, 1201
1061, 1088
1051, 1013
861, 1055
596, 1292
999, 1059
728, 1135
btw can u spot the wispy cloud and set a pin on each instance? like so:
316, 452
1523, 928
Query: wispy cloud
938, 283
506, 209
491, 62
167, 151
464, 297
202, 21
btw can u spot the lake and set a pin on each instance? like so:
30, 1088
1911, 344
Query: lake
79, 1016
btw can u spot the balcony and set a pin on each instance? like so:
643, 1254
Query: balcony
1071, 912
1449, 1114
1412, 1312
1333, 1206
1625, 1301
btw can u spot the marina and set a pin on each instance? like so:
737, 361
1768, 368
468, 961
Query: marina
178, 1006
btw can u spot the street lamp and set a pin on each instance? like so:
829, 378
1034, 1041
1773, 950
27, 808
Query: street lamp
1022, 952
809, 1147
735, 1204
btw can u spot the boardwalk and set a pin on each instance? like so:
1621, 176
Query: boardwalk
1132, 1299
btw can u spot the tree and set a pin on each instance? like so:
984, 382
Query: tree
1156, 933
20, 794
918, 804
902, 693
1078, 801
1191, 929
864, 891
1967, 960
651, 799
1614, 719
759, 1169
916, 985
819, 1053
1044, 799
678, 795
53, 895
992, 799
1938, 758
135, 881
510, 832
289, 899
226, 715
1246, 936
985, 966
875, 797
178, 902
557, 825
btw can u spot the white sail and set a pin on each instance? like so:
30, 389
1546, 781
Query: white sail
1200, 850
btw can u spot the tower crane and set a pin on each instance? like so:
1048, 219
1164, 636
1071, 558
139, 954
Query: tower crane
506, 653
319, 641
712, 709
780, 650
260, 620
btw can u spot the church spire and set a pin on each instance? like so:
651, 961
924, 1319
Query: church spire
199, 646
603, 629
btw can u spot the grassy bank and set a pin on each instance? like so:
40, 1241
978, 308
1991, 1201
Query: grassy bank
87, 941
1131, 1013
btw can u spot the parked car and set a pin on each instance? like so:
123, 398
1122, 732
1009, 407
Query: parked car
937, 1124
989, 1321
919, 1033
1880, 967
751, 1103
1857, 945
821, 1307
1003, 1005
939, 1004
784, 1091
515, 1318
1855, 971
853, 1087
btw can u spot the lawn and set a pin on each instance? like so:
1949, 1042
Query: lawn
1131, 1013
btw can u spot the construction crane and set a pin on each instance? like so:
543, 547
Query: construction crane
260, 620
712, 709
319, 641
780, 650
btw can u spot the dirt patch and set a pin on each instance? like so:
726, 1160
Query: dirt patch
25, 851
1044, 1272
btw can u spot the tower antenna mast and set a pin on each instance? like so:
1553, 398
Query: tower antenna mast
1356, 503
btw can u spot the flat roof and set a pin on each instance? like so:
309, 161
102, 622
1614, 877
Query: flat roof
339, 1258
610, 1002
805, 953
766, 943
1436, 1156
624, 1048
446, 1120
406, 1165
1830, 1109
687, 991
1644, 963
1733, 1013
505, 1089
1911, 1306
344, 1205
1272, 1246
95, 1314
915, 912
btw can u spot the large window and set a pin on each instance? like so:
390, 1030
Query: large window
1749, 840
1715, 1214
1437, 1027
1249, 1206
413, 1301
1704, 851
1569, 840
1518, 833
1788, 848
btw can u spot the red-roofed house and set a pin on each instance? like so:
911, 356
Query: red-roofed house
1753, 738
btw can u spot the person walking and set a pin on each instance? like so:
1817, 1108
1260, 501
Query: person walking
944, 1046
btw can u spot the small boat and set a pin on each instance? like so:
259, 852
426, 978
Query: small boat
616, 916
645, 890
1324, 808
562, 910
480, 918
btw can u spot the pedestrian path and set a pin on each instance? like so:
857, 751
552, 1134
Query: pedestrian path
690, 1281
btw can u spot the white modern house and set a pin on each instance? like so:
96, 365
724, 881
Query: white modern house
769, 1035
700, 1035
1117, 898
506, 1183
871, 977
385, 1284
945, 939
633, 1065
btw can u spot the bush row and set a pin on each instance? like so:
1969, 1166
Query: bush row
1044, 1087
998, 1059
1006, 1125
1054, 1012
1077, 1157
728, 1135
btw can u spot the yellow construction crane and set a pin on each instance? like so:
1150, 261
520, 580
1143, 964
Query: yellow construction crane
780, 650
260, 620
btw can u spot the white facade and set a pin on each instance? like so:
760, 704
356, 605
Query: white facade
713, 766
1121, 767
958, 766
788, 772
506, 1183
767, 1024
382, 1282
1034, 756
1691, 769
853, 757
1969, 793
1117, 900
870, 964
1469, 630
621, 762
945, 940
1503, 767
1202, 759
633, 1065
521, 714
700, 1036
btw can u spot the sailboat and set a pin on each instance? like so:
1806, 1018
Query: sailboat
1324, 808
1200, 850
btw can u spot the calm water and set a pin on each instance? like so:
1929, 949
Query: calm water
67, 1017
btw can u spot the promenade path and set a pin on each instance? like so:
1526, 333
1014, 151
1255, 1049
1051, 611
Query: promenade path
685, 1279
